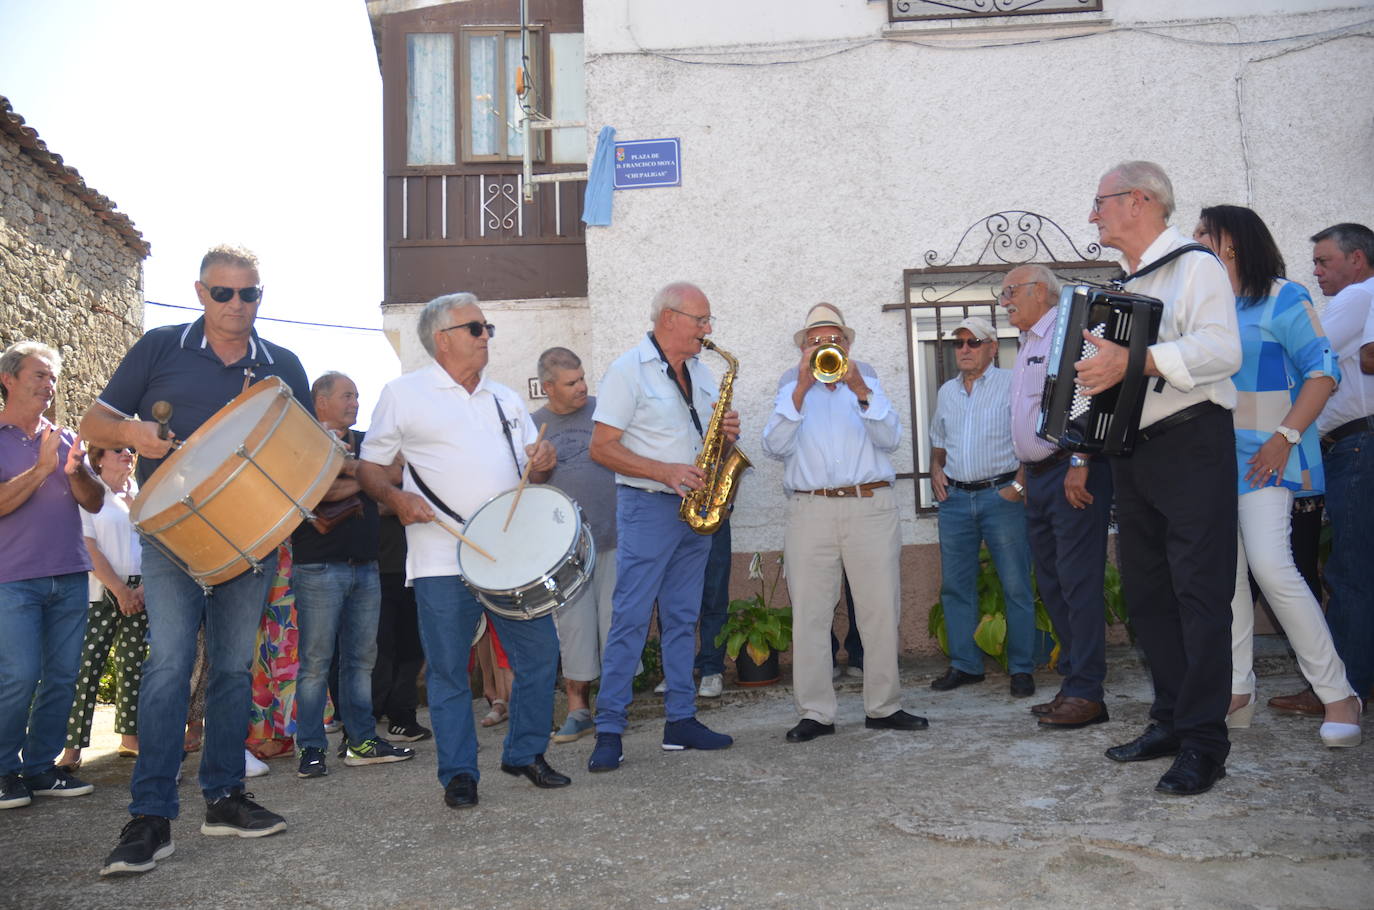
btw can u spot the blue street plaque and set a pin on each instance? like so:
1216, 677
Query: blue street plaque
648, 162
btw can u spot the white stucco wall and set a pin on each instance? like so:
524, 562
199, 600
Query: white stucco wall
822, 180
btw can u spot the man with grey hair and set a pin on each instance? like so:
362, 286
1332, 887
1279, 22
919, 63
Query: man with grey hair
973, 475
584, 623
463, 436
1343, 263
43, 566
1068, 506
655, 404
198, 368
1176, 495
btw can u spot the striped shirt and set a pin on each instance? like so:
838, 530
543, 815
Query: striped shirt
974, 428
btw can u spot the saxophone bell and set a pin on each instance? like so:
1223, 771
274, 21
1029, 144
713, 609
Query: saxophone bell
828, 363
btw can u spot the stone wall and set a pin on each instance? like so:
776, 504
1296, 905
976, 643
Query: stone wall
67, 279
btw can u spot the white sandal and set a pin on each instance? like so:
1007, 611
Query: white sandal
497, 714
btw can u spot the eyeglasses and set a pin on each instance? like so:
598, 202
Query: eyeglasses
825, 339
702, 321
221, 294
1007, 292
1097, 200
970, 343
475, 328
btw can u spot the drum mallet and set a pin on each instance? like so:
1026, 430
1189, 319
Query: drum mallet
162, 413
524, 476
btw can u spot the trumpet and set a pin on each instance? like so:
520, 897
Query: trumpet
828, 363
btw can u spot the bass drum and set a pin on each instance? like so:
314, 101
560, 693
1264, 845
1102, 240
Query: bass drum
541, 561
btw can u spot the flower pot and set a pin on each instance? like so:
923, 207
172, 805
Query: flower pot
752, 674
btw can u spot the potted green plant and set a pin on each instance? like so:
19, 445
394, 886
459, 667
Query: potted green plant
755, 632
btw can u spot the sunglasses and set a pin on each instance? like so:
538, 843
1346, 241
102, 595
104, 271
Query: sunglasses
971, 343
475, 328
221, 294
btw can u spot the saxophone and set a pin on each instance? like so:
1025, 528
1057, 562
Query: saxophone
705, 509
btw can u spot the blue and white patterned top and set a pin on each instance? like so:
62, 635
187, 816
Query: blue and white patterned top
1283, 346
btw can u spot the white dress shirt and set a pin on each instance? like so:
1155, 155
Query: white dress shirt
1349, 323
974, 428
455, 442
114, 536
832, 442
1199, 339
639, 398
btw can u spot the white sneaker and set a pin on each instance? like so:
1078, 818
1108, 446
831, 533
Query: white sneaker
856, 672
252, 766
711, 686
334, 726
661, 687
834, 672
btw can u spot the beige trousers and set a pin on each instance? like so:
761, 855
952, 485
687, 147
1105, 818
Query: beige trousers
858, 536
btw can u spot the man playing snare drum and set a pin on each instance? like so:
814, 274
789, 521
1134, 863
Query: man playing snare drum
198, 369
463, 437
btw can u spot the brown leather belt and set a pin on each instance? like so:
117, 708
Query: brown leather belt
1036, 468
1358, 425
862, 489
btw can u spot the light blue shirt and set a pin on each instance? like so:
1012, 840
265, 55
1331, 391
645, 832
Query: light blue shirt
974, 428
639, 398
832, 442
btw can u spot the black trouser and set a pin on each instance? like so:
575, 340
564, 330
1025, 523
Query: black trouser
1176, 509
399, 653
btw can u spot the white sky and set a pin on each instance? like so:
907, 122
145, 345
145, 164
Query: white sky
255, 122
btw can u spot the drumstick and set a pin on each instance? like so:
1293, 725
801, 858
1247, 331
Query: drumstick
463, 538
524, 476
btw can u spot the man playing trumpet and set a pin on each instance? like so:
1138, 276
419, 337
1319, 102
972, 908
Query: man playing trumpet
834, 439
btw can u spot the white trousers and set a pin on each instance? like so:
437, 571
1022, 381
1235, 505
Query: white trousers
857, 536
1265, 519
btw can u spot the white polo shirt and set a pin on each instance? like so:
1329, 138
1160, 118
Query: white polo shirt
638, 397
455, 441
1349, 323
1199, 339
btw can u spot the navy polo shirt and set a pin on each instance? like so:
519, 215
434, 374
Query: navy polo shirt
175, 364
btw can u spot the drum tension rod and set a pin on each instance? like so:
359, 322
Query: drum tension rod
256, 565
306, 514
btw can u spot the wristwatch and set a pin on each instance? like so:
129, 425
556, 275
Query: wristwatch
1077, 461
1288, 433
1020, 490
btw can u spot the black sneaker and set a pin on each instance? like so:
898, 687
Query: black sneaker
312, 763
237, 814
143, 841
409, 733
13, 792
57, 782
376, 751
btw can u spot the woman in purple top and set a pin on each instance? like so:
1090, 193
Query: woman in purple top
1287, 374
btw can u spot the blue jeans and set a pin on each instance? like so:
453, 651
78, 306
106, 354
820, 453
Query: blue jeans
42, 626
176, 608
1349, 571
336, 602
448, 618
715, 603
968, 518
658, 557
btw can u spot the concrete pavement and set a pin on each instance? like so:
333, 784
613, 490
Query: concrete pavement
981, 810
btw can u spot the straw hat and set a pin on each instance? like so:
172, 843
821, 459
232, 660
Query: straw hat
823, 314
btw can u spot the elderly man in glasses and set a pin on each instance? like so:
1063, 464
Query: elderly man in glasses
1068, 505
465, 438
973, 475
1176, 495
197, 368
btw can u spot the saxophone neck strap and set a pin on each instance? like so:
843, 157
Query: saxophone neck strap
684, 388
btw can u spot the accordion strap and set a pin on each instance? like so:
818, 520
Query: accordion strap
1161, 262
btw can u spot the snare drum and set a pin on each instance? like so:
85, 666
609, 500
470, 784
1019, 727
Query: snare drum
240, 485
541, 561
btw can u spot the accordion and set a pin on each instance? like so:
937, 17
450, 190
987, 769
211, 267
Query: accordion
1105, 423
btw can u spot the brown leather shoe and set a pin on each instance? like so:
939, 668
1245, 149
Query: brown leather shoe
1073, 713
1304, 702
1044, 708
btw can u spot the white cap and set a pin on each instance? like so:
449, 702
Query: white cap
977, 326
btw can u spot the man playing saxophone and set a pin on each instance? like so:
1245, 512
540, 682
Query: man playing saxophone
653, 415
834, 430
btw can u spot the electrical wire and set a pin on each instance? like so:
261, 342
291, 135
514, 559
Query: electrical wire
318, 325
